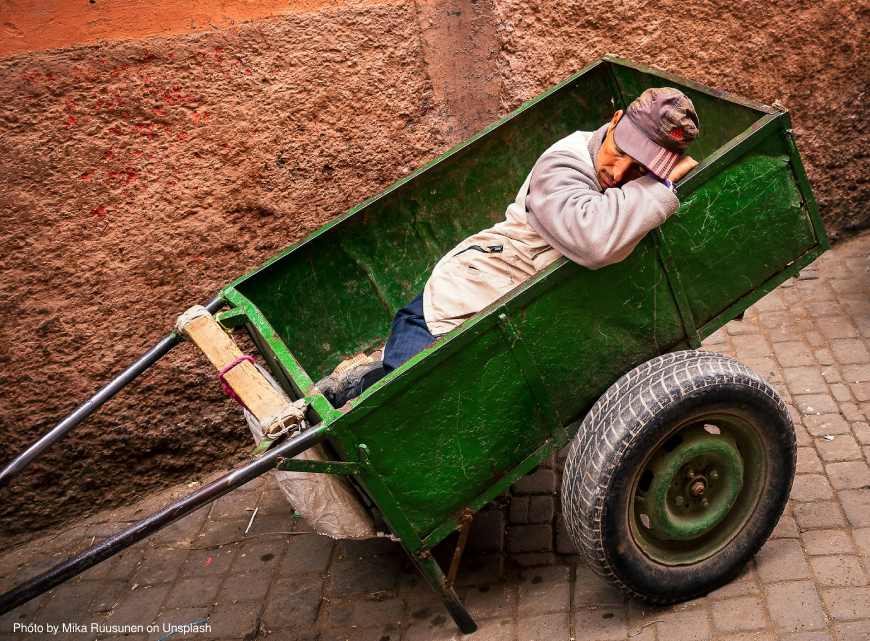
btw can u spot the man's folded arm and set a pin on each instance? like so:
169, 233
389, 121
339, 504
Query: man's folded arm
593, 228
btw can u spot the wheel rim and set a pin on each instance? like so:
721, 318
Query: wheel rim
697, 487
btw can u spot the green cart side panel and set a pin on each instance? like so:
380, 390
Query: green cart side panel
455, 423
739, 228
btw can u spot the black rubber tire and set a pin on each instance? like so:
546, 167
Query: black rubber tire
615, 437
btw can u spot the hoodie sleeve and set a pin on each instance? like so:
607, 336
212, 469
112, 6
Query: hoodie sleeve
590, 227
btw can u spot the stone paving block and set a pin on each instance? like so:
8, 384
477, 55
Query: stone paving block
491, 600
786, 528
428, 632
781, 560
159, 565
590, 590
862, 540
542, 481
194, 591
793, 354
852, 412
742, 613
68, 600
821, 542
140, 606
564, 544
604, 624
848, 475
495, 630
820, 514
364, 612
811, 487
212, 561
795, 606
547, 626
836, 327
812, 635
531, 538
533, 559
541, 509
366, 575
861, 430
245, 586
519, 509
487, 532
544, 590
841, 447
685, 625
841, 392
849, 351
808, 461
845, 604
853, 630
821, 424
757, 635
750, 345
221, 532
809, 404
294, 602
306, 553
476, 569
855, 373
839, 570
260, 554
746, 584
856, 505
861, 391
804, 380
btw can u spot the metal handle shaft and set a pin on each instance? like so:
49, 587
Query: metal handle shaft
96, 401
111, 546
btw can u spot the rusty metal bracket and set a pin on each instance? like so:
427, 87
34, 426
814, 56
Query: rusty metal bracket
464, 529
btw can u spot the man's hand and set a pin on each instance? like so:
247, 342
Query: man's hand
686, 164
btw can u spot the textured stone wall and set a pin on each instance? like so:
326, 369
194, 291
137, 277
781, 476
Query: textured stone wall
136, 177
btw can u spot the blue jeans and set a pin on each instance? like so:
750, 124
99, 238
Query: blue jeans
408, 336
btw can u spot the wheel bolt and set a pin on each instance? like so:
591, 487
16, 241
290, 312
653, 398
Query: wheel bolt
680, 500
714, 474
705, 502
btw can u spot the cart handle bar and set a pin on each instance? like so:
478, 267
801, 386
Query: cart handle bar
172, 512
96, 401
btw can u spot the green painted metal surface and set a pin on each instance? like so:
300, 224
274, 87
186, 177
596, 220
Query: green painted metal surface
456, 424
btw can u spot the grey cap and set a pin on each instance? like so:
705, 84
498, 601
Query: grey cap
657, 128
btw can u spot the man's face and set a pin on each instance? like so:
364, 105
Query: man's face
615, 167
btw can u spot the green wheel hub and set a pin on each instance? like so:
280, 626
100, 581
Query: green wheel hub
697, 487
694, 487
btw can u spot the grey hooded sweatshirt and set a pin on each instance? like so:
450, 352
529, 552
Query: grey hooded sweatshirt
560, 210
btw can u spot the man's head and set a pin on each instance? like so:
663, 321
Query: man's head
651, 135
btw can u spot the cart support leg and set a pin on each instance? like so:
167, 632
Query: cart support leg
430, 569
144, 528
96, 401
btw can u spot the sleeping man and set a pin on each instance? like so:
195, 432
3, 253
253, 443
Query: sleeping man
591, 197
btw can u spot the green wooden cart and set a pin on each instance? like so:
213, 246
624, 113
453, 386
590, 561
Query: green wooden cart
679, 466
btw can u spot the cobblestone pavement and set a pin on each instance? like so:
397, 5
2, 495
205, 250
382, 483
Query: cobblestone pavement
810, 338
